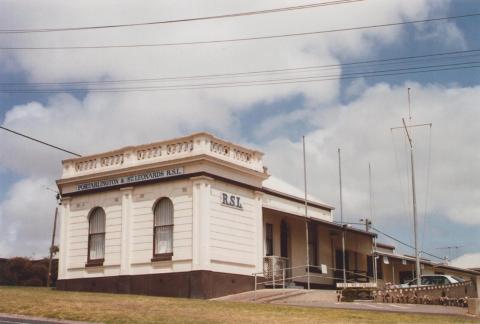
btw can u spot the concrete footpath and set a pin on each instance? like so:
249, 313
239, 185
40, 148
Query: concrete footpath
328, 299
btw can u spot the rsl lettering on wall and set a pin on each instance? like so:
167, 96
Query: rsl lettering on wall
231, 201
152, 175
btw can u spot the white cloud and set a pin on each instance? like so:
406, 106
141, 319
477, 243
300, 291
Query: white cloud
26, 219
469, 260
103, 121
362, 130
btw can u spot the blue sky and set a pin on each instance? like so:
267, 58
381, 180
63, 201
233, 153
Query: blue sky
354, 114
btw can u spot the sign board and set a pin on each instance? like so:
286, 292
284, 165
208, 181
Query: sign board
324, 268
356, 285
144, 176
231, 201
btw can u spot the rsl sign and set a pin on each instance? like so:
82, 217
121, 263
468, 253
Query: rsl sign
141, 177
231, 201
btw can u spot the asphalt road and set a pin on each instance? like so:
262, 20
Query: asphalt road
14, 319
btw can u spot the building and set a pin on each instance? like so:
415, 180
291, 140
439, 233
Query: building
398, 268
197, 217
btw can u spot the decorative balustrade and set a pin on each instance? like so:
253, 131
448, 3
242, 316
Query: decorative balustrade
273, 266
196, 144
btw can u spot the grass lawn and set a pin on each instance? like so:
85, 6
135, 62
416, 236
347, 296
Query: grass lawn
111, 308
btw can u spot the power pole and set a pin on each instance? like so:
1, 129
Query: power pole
49, 278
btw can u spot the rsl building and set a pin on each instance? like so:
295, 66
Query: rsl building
196, 217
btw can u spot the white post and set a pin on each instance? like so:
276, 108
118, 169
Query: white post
306, 212
341, 216
126, 220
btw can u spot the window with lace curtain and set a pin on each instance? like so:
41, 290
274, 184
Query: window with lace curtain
163, 230
96, 236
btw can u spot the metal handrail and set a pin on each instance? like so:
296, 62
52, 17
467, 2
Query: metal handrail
273, 281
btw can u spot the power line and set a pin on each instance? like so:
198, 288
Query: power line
39, 141
403, 243
232, 15
384, 61
309, 79
243, 38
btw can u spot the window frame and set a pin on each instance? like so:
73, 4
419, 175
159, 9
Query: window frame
99, 261
166, 255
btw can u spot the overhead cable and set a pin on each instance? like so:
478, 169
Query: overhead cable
308, 79
384, 61
403, 243
170, 21
251, 38
38, 141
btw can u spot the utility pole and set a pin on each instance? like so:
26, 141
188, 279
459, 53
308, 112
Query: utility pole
306, 212
49, 278
341, 216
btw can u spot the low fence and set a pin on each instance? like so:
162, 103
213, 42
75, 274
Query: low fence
456, 294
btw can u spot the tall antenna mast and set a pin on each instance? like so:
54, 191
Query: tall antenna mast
414, 194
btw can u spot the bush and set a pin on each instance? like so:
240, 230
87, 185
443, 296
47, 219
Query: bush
17, 270
24, 272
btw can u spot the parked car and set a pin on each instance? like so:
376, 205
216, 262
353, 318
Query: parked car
431, 280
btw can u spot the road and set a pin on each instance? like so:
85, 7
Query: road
16, 319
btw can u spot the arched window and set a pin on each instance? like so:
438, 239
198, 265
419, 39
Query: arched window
163, 229
96, 236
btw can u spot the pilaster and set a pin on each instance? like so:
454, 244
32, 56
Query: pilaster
201, 223
64, 210
126, 220
259, 231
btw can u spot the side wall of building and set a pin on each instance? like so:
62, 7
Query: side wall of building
128, 232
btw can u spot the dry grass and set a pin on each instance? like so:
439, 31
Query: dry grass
111, 308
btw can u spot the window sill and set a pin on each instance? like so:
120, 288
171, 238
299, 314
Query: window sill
162, 257
94, 263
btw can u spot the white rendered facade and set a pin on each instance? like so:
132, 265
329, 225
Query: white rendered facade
197, 173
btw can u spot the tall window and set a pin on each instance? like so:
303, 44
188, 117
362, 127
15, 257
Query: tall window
312, 244
163, 228
96, 235
268, 239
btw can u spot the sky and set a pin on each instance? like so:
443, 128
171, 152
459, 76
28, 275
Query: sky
349, 109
